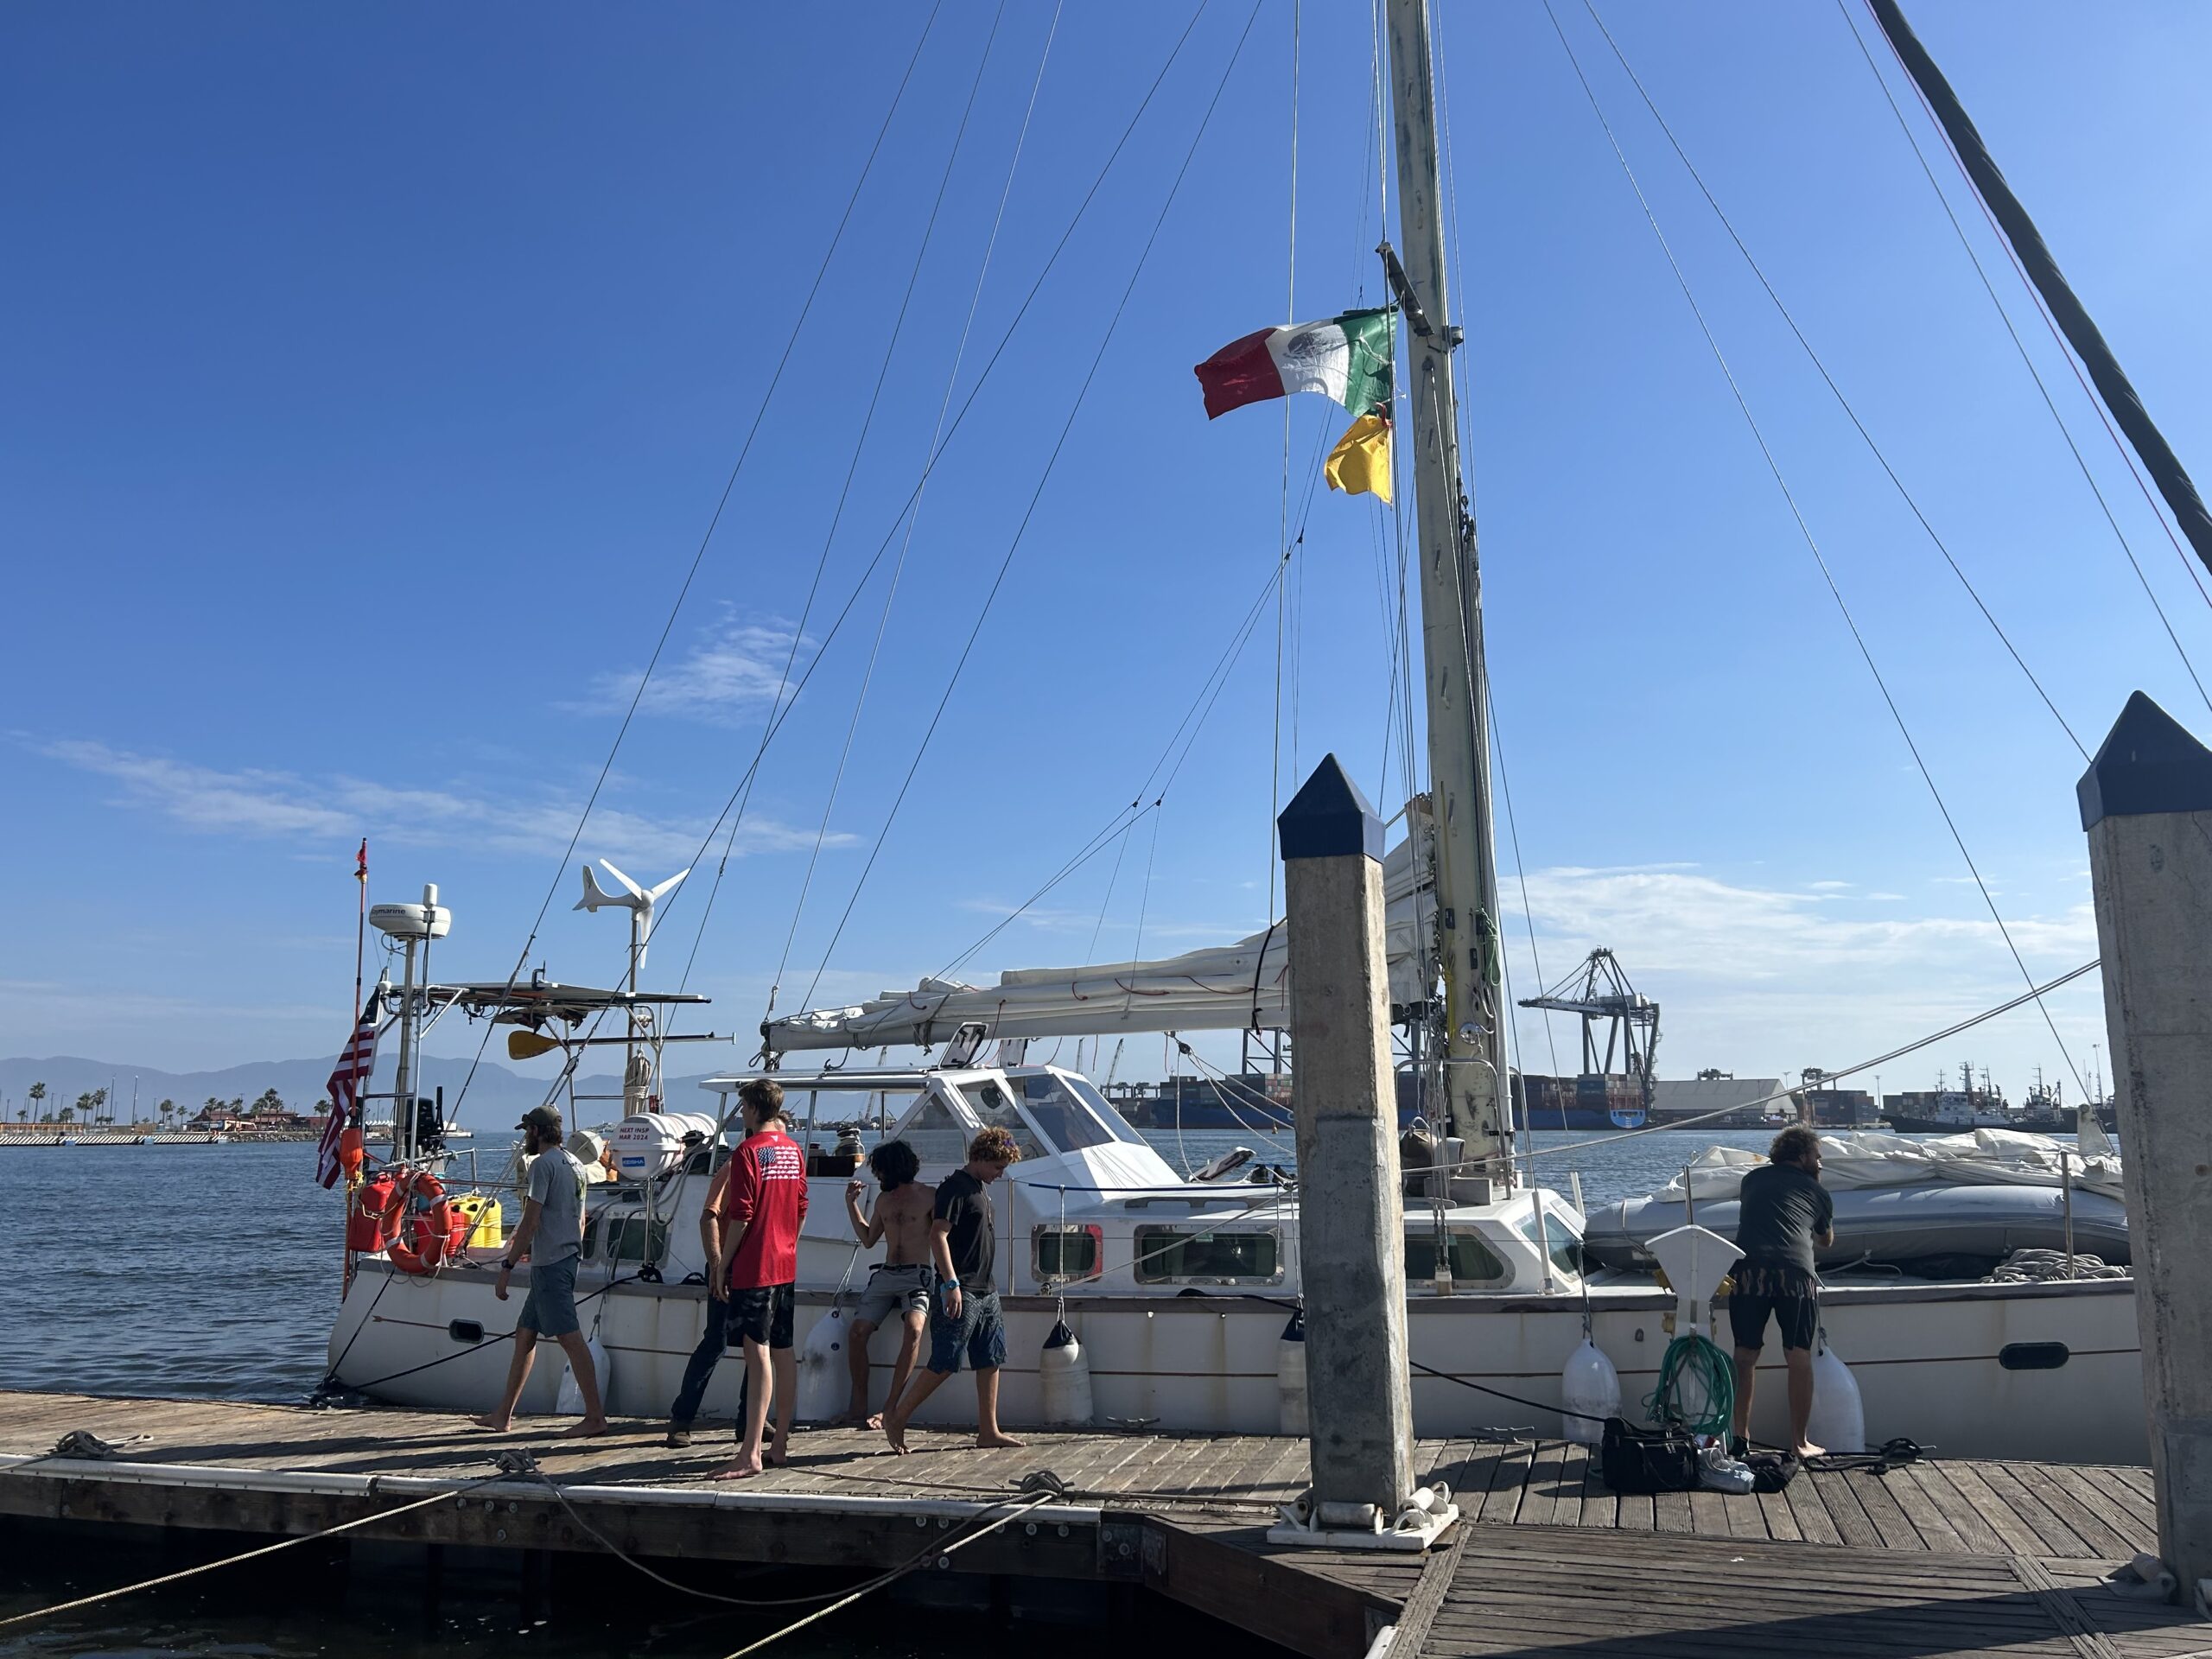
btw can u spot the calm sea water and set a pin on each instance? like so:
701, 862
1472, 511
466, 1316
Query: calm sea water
214, 1270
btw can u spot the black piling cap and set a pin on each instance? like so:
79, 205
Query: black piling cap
2149, 763
1329, 818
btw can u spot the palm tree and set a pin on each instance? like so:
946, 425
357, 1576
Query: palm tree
67, 1112
97, 1099
38, 1095
168, 1109
268, 1104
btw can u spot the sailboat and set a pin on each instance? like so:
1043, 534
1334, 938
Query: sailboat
1184, 1290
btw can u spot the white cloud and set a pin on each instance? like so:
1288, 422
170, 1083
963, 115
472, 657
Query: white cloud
732, 673
1671, 921
280, 805
1763, 981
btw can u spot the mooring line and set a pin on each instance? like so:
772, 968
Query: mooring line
232, 1560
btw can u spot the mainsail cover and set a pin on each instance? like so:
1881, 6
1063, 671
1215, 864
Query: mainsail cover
1224, 988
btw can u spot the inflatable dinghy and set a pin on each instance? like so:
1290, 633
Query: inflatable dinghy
1941, 1229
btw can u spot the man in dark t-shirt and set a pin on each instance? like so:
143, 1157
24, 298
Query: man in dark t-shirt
964, 1318
1784, 1214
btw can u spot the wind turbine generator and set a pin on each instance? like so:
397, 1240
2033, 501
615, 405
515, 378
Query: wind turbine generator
637, 1072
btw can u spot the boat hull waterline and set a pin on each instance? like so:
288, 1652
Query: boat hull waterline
1932, 1360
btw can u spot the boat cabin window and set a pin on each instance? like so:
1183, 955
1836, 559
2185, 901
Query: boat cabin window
1065, 1253
1071, 1113
1215, 1255
1471, 1261
823, 1109
626, 1239
938, 1137
706, 1160
991, 1103
1565, 1244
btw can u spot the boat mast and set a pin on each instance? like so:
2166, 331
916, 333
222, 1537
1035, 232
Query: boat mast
1466, 942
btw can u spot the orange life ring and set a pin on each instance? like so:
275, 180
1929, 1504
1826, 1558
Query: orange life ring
427, 1233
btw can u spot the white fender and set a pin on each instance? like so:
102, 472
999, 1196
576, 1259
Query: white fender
1063, 1378
1590, 1388
569, 1401
1290, 1378
1838, 1420
824, 1383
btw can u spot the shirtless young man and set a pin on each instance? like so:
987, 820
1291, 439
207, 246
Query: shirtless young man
900, 1282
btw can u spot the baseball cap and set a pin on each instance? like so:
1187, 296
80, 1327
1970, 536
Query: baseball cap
544, 1119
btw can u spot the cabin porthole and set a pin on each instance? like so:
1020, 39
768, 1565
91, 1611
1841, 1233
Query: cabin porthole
2033, 1355
465, 1330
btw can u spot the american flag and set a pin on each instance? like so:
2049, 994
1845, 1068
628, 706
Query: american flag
355, 1062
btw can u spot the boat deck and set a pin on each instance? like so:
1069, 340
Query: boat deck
1940, 1556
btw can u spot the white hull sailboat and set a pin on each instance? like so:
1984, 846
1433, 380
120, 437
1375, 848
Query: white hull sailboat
1181, 1291
1184, 1292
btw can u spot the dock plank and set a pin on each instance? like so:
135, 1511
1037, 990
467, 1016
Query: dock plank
1938, 1557
1507, 1484
1884, 1512
1999, 1515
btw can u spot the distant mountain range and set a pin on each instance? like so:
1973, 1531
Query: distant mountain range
496, 1099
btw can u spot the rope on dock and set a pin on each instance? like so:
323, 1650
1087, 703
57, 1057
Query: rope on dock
1020, 1507
521, 1463
232, 1560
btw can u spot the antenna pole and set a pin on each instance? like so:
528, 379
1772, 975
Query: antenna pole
1468, 944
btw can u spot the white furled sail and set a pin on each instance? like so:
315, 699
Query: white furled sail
1225, 988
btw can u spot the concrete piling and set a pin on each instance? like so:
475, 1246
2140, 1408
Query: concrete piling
1351, 1220
2147, 806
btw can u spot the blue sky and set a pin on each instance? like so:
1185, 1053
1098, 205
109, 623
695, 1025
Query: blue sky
373, 378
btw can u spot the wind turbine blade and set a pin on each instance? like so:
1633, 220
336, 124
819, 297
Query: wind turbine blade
669, 885
628, 886
593, 896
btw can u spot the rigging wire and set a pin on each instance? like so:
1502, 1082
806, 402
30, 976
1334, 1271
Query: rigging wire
1029, 513
1509, 1028
1842, 402
1812, 545
1282, 534
713, 521
968, 404
2028, 362
1520, 871
944, 405
844, 495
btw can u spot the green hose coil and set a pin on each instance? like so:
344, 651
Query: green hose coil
1699, 1358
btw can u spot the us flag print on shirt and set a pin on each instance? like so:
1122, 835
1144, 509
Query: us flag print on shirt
780, 1161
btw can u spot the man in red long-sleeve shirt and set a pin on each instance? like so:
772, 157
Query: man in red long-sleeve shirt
764, 1201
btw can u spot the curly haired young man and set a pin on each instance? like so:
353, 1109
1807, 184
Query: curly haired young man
965, 1318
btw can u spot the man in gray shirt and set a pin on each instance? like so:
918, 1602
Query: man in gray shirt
550, 1236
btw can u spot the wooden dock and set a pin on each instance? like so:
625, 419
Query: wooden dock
1938, 1557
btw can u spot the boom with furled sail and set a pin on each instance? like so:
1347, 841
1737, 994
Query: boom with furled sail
1244, 986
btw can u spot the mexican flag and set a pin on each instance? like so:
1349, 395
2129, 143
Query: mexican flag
1347, 359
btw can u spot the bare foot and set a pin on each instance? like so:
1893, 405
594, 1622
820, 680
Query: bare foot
589, 1428
875, 1420
778, 1459
895, 1432
494, 1421
1806, 1449
988, 1441
743, 1469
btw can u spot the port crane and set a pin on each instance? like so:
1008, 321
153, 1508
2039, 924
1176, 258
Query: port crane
1599, 993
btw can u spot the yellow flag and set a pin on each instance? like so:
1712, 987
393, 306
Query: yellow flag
1360, 464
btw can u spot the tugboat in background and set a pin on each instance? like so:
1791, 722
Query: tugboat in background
1945, 1110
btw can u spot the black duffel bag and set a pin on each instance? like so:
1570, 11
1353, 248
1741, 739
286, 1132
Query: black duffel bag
1647, 1460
